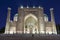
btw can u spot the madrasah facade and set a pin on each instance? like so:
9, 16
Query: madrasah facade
30, 20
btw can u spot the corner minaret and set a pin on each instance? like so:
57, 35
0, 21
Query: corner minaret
8, 21
53, 22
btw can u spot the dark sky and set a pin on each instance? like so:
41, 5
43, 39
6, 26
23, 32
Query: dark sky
14, 4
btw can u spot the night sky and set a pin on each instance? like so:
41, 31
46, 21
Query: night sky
14, 4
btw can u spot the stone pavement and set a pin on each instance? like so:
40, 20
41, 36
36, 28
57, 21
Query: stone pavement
29, 37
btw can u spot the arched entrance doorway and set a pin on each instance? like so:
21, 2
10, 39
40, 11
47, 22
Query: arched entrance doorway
31, 24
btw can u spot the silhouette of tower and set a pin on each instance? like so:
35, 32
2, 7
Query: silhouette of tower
53, 21
8, 21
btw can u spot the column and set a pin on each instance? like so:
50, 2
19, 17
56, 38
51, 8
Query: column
53, 22
8, 21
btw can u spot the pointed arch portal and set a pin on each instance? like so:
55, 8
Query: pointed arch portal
30, 24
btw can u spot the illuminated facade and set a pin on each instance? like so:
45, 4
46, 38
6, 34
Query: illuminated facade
30, 21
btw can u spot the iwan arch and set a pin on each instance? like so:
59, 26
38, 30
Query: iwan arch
30, 21
30, 24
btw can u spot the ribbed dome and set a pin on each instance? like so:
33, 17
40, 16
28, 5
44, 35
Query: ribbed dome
45, 18
15, 17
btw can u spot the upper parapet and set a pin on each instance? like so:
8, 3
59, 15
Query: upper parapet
31, 7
